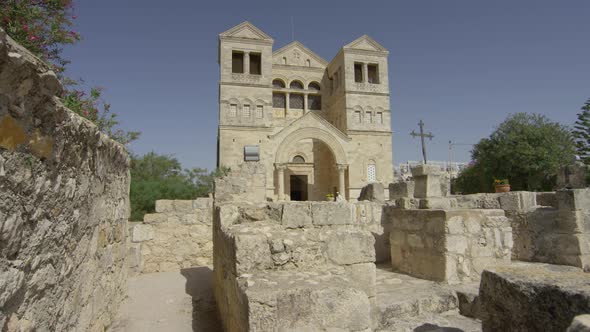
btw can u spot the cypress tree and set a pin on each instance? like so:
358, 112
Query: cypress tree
581, 133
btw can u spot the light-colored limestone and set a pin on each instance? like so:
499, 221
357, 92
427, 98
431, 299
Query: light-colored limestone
64, 204
338, 150
580, 323
310, 267
533, 297
449, 245
178, 236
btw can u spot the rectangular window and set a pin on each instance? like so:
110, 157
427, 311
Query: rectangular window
237, 62
246, 111
379, 117
358, 72
233, 110
371, 173
373, 73
296, 101
368, 117
357, 116
259, 111
279, 100
255, 64
251, 153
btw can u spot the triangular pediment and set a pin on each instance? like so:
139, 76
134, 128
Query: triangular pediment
245, 30
311, 120
296, 54
365, 43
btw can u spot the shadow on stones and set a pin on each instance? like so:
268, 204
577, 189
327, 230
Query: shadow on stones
199, 285
436, 328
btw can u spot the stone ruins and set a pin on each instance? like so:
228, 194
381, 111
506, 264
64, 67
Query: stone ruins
392, 256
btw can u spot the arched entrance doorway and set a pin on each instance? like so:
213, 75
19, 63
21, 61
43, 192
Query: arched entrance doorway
310, 164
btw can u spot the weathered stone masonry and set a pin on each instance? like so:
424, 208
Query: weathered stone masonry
177, 236
64, 205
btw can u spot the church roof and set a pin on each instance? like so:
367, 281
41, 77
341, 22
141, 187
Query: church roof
245, 30
297, 45
365, 43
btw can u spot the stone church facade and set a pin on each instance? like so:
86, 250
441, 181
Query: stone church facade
318, 127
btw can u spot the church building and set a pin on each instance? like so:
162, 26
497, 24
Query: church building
318, 127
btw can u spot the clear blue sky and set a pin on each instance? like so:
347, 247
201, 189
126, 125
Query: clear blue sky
460, 65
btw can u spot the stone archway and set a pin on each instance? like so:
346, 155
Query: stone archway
282, 155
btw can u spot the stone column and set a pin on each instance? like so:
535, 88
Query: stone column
287, 103
304, 103
246, 62
365, 73
281, 181
342, 180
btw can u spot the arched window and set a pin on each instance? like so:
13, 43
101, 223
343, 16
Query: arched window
296, 85
278, 83
298, 159
313, 86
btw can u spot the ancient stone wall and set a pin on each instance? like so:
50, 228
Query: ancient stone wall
533, 297
178, 235
64, 204
245, 182
294, 266
452, 246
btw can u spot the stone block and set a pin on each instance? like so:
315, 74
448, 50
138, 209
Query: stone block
252, 252
299, 301
547, 199
164, 205
572, 176
183, 206
401, 190
350, 247
363, 277
154, 218
533, 297
437, 203
333, 213
142, 232
573, 199
296, 215
580, 323
203, 203
427, 180
373, 192
407, 203
518, 200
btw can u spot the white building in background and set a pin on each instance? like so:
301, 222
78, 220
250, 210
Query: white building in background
402, 171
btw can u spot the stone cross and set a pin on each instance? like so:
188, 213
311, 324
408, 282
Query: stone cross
422, 135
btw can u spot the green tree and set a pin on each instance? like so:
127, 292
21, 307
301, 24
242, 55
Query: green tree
44, 27
155, 177
527, 149
581, 133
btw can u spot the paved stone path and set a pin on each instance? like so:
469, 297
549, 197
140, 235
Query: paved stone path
169, 301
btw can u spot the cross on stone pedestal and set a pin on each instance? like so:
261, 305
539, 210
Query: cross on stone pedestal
422, 135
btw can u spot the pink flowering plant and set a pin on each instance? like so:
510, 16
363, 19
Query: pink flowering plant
44, 27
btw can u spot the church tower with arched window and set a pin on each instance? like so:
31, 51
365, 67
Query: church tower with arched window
320, 128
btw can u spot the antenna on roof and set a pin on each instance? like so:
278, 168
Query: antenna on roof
292, 29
